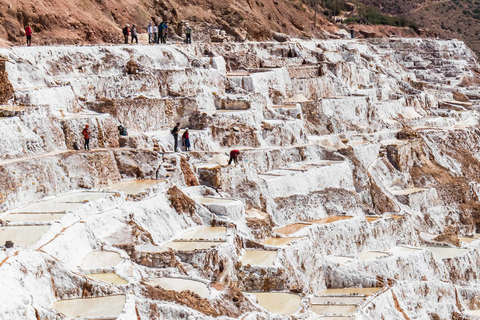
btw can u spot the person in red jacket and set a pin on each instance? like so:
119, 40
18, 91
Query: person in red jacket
186, 140
28, 33
233, 156
86, 136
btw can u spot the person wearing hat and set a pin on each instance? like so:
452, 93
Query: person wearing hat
126, 31
186, 140
86, 136
233, 156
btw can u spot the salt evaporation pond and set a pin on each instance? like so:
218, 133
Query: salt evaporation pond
339, 259
179, 284
292, 228
210, 200
354, 291
191, 245
279, 241
364, 256
108, 307
278, 302
108, 277
264, 258
22, 236
33, 217
205, 233
331, 219
81, 197
133, 187
440, 253
333, 309
48, 207
349, 299
101, 259
403, 250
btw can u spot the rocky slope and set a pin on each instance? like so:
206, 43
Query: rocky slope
356, 194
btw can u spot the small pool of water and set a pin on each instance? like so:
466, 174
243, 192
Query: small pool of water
351, 291
101, 259
339, 259
108, 277
22, 236
259, 258
205, 233
192, 245
278, 302
440, 253
81, 197
401, 250
209, 200
333, 309
33, 217
369, 255
108, 307
279, 242
292, 228
48, 207
133, 187
178, 284
372, 218
337, 299
331, 219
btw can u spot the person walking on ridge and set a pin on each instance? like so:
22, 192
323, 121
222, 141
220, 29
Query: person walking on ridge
126, 32
28, 33
188, 35
233, 156
186, 140
175, 132
150, 32
86, 136
133, 31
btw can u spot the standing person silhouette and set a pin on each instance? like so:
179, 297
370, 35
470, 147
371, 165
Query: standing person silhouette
28, 34
86, 136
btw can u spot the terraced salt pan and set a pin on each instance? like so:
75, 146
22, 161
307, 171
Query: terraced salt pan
264, 258
108, 307
440, 253
339, 259
133, 187
279, 241
333, 309
191, 245
353, 291
22, 236
205, 233
369, 255
101, 259
179, 285
33, 217
348, 299
404, 192
81, 197
330, 219
108, 277
393, 142
372, 218
313, 165
466, 239
278, 302
257, 214
402, 250
210, 200
48, 207
472, 313
292, 228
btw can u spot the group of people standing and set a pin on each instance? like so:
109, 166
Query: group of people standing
156, 34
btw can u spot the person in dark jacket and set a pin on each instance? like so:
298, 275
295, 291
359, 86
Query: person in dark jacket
164, 32
233, 156
86, 136
175, 132
160, 32
186, 140
28, 33
133, 32
126, 32
188, 35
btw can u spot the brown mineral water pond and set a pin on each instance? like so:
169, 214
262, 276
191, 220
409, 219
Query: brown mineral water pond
191, 245
353, 291
108, 277
292, 228
22, 236
205, 233
337, 300
259, 258
278, 302
179, 285
331, 219
33, 217
333, 309
108, 307
440, 253
372, 218
279, 241
369, 255
133, 186
101, 259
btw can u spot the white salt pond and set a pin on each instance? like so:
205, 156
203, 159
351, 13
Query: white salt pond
108, 307
191, 245
472, 313
33, 217
101, 259
205, 233
48, 207
133, 187
210, 200
403, 250
259, 258
467, 239
279, 242
292, 228
333, 309
81, 197
440, 253
352, 291
369, 255
22, 236
179, 285
349, 299
278, 302
256, 214
108, 277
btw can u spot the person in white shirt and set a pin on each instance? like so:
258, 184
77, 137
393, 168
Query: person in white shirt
155, 34
150, 32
